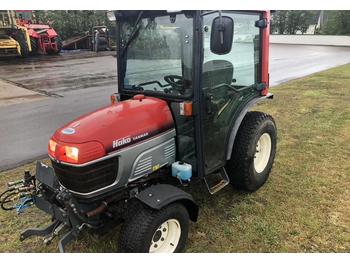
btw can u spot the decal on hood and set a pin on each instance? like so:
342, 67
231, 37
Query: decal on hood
68, 131
126, 140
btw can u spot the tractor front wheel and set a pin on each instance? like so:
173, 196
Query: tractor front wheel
253, 152
155, 231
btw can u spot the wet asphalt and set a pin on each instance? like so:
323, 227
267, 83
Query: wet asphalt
76, 83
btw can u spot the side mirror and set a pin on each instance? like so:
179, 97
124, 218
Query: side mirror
262, 23
221, 35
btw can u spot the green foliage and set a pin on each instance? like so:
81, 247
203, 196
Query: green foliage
336, 23
69, 23
291, 21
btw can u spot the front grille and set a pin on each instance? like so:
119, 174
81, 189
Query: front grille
88, 178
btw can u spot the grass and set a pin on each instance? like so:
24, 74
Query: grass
304, 206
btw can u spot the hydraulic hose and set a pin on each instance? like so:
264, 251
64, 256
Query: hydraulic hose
3, 193
4, 201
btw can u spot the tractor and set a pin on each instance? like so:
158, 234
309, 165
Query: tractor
14, 38
44, 39
100, 38
19, 36
182, 118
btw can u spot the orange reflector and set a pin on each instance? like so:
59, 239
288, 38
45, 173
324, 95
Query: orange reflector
186, 108
52, 147
113, 99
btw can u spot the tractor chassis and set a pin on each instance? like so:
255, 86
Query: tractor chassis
70, 215
61, 206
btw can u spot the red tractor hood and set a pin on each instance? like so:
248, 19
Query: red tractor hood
118, 125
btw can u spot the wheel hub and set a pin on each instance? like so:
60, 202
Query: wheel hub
166, 237
263, 152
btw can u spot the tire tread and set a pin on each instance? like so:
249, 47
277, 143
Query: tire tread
239, 164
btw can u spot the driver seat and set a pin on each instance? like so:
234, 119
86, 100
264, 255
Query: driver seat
216, 72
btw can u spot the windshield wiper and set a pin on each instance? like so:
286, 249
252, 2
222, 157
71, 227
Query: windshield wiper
133, 33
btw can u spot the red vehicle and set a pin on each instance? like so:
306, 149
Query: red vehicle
43, 38
187, 83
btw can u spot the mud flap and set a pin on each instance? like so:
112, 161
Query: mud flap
161, 195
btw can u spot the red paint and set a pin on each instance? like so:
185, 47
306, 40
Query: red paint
265, 53
113, 127
46, 40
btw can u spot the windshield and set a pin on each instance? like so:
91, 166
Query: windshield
158, 53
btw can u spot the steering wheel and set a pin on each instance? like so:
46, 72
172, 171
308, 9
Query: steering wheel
175, 81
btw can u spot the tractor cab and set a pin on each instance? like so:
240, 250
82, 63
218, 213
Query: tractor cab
24, 17
208, 66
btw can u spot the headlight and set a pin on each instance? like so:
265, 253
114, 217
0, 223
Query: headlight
72, 153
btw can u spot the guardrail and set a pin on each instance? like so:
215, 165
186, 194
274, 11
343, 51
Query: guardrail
328, 40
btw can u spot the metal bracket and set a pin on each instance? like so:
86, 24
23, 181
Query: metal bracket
39, 232
51, 232
68, 237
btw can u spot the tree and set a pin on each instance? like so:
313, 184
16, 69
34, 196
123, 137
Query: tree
336, 23
278, 22
70, 23
292, 21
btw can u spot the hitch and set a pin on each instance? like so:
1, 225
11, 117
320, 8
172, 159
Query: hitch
50, 232
42, 190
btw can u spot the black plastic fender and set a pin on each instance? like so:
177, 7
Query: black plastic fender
239, 120
161, 195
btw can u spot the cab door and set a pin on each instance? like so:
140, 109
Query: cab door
228, 81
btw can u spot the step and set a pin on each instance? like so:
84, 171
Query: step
216, 180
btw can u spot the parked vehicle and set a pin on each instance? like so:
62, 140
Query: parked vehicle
44, 39
14, 39
187, 81
19, 36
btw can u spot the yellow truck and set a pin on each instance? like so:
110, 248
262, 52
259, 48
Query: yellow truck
14, 39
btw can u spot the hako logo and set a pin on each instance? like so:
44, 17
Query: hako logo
122, 141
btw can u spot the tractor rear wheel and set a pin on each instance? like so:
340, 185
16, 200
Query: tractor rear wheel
21, 39
155, 231
253, 152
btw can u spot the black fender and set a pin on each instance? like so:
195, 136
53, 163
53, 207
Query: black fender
161, 195
239, 120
